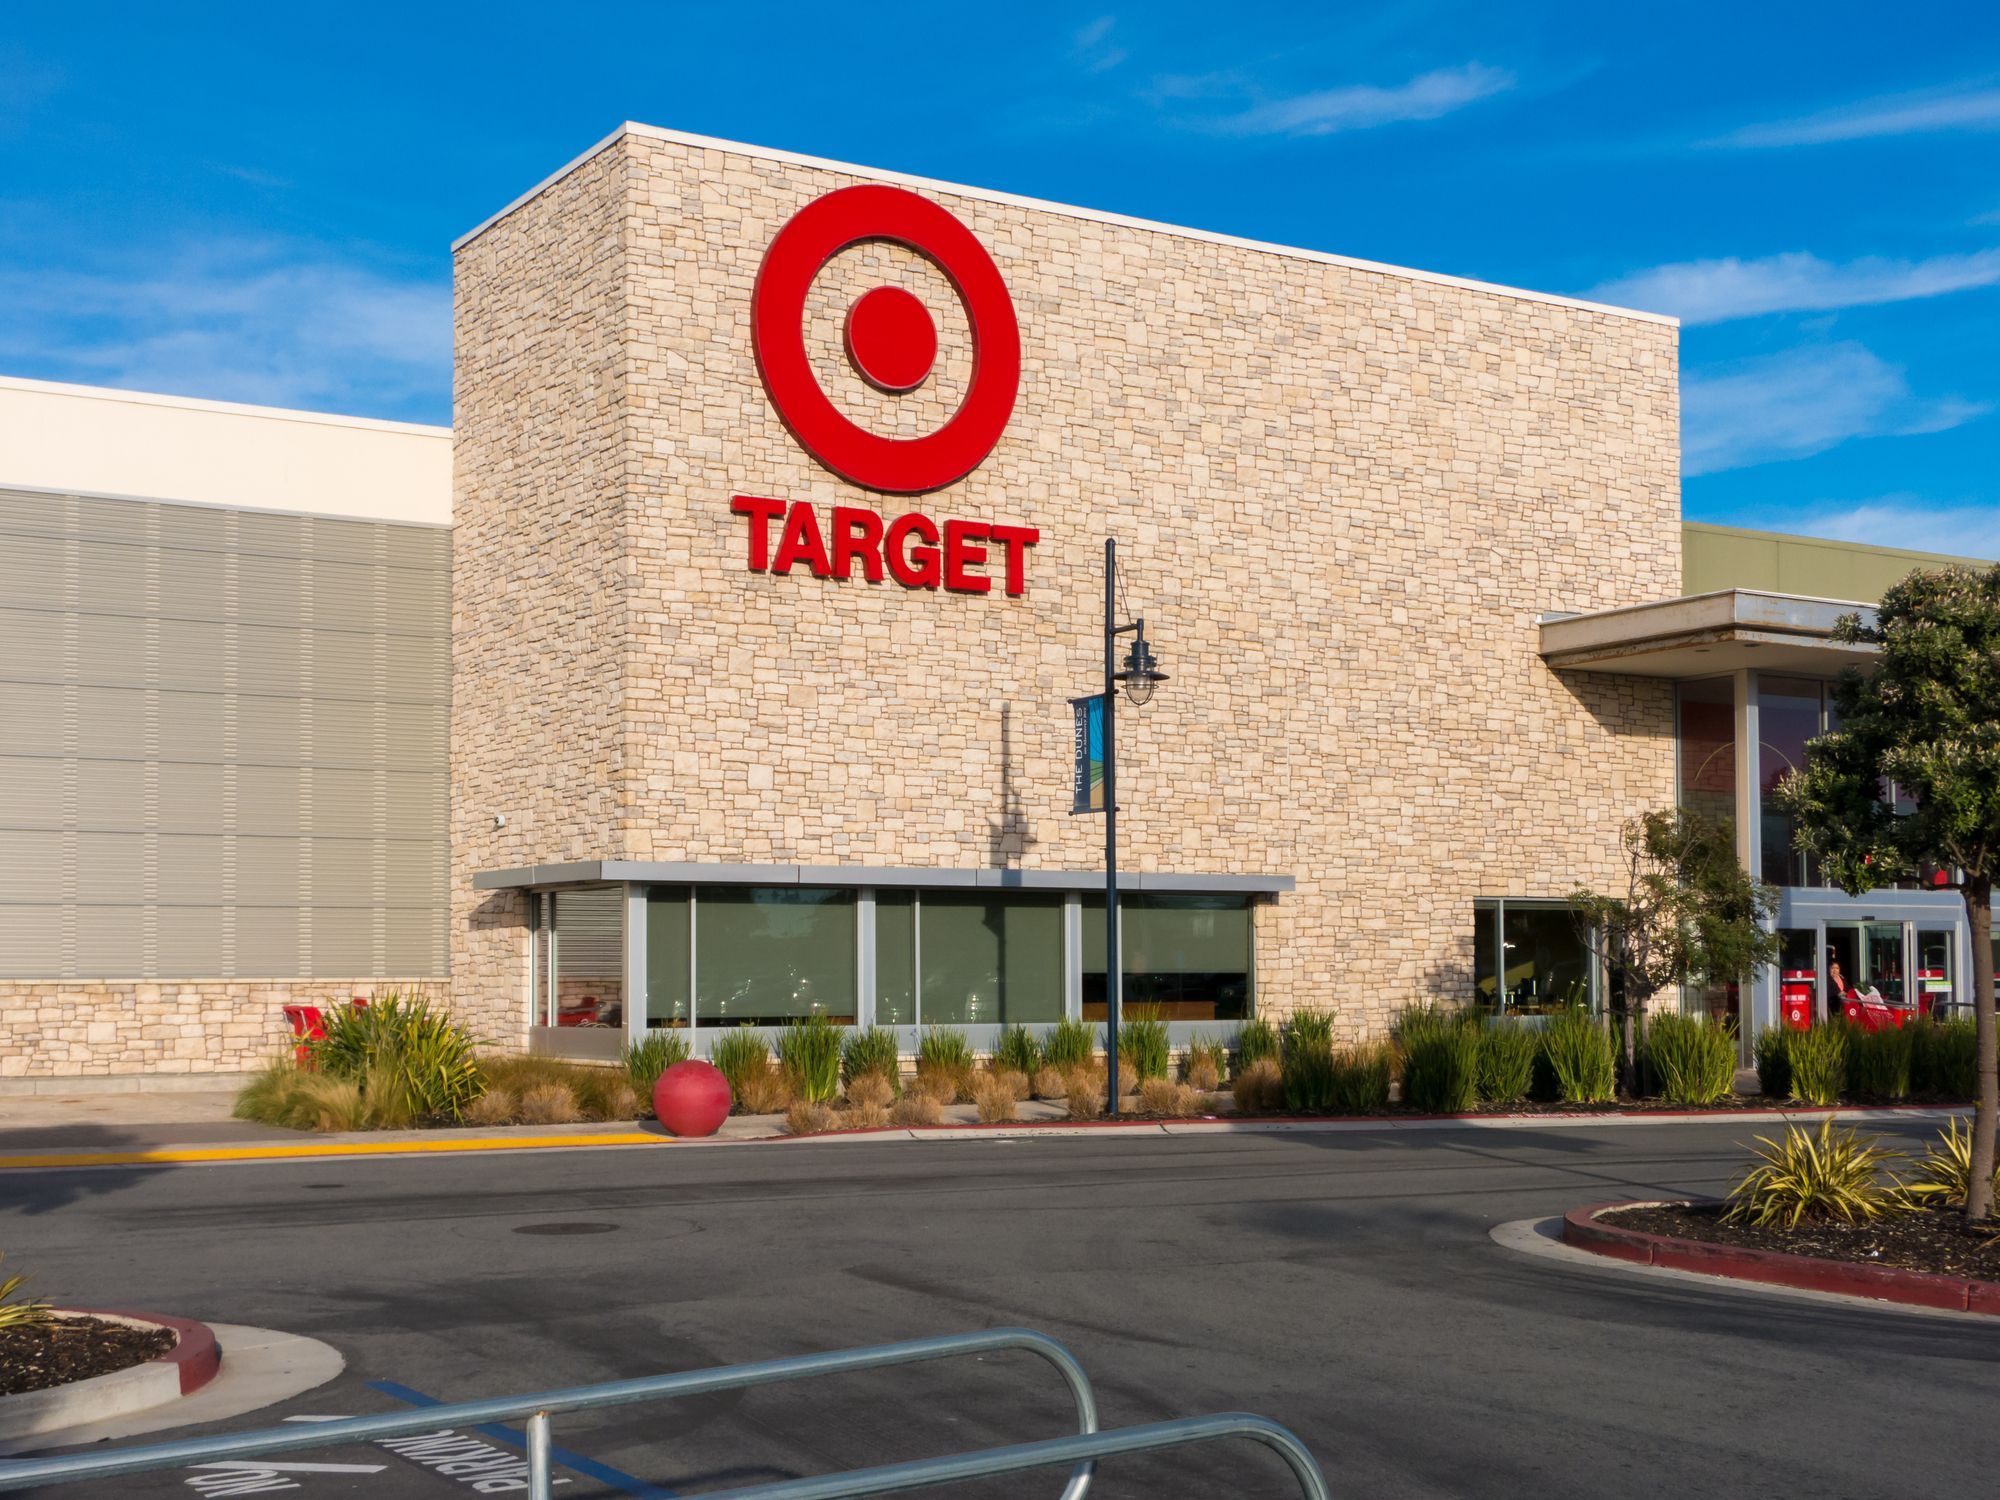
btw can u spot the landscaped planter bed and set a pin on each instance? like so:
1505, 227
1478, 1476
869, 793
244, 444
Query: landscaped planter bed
1938, 1241
38, 1356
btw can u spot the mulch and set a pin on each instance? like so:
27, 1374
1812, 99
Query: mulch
1926, 1240
37, 1357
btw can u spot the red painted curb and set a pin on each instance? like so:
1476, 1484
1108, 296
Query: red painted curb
195, 1357
1586, 1231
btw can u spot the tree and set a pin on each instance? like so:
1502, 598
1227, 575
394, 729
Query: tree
1689, 911
1926, 720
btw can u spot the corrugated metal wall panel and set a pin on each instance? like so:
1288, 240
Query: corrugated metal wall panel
223, 742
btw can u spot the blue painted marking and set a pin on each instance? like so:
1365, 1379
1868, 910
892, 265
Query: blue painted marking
616, 1478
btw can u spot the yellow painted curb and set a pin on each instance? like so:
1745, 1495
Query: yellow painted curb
329, 1148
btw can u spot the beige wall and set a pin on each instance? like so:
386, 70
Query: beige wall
1343, 497
90, 440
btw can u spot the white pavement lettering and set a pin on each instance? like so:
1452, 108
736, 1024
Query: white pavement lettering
252, 1477
464, 1460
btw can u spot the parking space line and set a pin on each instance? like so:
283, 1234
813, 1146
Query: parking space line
575, 1462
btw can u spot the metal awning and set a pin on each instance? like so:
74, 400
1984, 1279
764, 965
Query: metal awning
658, 872
1705, 634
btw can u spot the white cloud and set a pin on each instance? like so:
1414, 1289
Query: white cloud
1956, 530
1802, 402
272, 322
1362, 106
1961, 107
1714, 291
1093, 48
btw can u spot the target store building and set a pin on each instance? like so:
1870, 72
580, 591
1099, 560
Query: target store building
777, 505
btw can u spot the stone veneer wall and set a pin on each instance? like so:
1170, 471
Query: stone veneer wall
1343, 498
119, 1027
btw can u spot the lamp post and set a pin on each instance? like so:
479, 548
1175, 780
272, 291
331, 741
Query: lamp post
1140, 677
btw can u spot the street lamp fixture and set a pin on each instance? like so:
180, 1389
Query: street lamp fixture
1141, 675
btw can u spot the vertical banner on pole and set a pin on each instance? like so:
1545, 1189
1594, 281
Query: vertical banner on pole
1087, 783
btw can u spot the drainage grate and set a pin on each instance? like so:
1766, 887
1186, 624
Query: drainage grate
571, 1227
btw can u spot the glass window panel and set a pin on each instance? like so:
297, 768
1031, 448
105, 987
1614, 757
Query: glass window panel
1485, 971
1788, 714
589, 940
667, 956
765, 955
1545, 963
991, 958
1934, 973
895, 958
1707, 718
1188, 957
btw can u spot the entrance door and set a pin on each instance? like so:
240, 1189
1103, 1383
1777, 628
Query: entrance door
1863, 956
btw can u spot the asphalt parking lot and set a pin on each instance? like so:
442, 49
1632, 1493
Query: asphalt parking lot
1343, 1284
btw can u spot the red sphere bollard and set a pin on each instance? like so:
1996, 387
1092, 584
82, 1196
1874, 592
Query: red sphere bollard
691, 1098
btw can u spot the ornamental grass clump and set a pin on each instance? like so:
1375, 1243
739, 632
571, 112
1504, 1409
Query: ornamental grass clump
1943, 1174
1164, 1099
916, 1107
1879, 1063
809, 1053
1017, 1051
1084, 1091
1774, 1063
1818, 1057
1507, 1052
994, 1099
1260, 1088
871, 1050
1944, 1060
549, 1104
655, 1052
1048, 1083
1360, 1084
1255, 1041
1822, 1175
1143, 1050
399, 1043
944, 1063
1692, 1060
1440, 1048
1069, 1044
810, 1117
740, 1055
1581, 1056
1306, 1061
1205, 1062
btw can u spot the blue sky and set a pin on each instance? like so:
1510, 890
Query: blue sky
255, 203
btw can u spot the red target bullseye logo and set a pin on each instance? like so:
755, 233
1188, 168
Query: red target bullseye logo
889, 336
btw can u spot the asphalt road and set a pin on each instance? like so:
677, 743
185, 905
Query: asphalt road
1343, 1284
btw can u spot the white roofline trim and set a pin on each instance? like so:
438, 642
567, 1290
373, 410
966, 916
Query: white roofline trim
72, 493
228, 408
1042, 205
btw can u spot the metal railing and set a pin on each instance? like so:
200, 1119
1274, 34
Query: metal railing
1081, 1451
538, 1408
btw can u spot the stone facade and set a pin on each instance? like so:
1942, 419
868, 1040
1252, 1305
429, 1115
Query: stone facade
1343, 497
117, 1028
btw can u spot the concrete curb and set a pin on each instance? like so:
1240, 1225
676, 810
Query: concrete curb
1584, 1229
184, 1369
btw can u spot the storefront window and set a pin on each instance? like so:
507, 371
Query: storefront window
587, 944
766, 955
989, 959
1788, 715
667, 937
1934, 966
1187, 957
1707, 734
895, 958
1546, 962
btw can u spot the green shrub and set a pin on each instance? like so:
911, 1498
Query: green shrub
1306, 1062
809, 1052
1582, 1057
1507, 1052
1256, 1041
1822, 1175
1774, 1062
1819, 1063
1441, 1047
1879, 1063
1360, 1082
871, 1050
1692, 1060
399, 1045
739, 1054
655, 1052
1944, 1060
1143, 1047
1943, 1173
1069, 1044
1017, 1051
